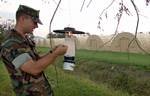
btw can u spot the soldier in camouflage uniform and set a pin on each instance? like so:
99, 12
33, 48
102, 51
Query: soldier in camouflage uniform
24, 65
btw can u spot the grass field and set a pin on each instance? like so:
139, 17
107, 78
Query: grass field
94, 73
135, 59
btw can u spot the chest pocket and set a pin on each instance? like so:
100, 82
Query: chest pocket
27, 49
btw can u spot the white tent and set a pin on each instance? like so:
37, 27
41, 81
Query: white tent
94, 42
121, 43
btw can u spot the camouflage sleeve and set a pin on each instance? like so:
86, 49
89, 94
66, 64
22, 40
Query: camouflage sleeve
16, 55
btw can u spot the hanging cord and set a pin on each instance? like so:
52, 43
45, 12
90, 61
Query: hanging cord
50, 36
50, 32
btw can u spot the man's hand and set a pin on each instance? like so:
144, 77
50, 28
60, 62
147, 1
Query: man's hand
60, 49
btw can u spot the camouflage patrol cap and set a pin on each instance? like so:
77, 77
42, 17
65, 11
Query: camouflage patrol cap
31, 12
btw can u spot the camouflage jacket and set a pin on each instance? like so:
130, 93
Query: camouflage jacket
16, 51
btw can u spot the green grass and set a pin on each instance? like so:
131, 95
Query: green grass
67, 85
5, 85
43, 49
72, 84
139, 60
135, 59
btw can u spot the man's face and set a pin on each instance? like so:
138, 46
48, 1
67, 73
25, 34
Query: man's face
29, 24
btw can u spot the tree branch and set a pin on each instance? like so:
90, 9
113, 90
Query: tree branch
135, 36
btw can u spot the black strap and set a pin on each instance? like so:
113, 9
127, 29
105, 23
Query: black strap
69, 59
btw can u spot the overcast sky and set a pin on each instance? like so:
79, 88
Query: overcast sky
69, 14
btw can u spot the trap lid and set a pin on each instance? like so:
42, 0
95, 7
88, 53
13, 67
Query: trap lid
69, 29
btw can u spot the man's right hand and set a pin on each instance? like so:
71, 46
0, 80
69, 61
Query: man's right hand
60, 49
